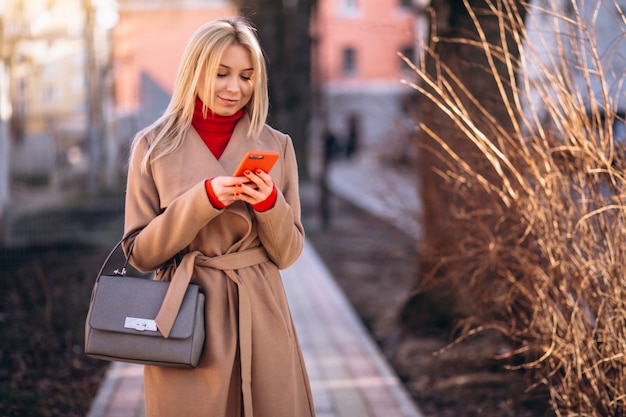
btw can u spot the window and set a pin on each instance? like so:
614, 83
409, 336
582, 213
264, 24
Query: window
348, 8
349, 61
348, 4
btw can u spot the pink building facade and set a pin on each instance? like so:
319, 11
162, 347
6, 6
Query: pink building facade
357, 70
149, 41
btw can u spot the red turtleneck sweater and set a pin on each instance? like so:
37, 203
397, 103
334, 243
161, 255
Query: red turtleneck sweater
215, 132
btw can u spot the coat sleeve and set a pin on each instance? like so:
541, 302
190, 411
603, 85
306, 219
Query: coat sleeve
156, 234
280, 228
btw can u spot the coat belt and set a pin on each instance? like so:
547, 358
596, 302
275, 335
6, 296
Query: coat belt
227, 263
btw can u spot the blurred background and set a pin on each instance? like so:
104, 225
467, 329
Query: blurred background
492, 130
78, 78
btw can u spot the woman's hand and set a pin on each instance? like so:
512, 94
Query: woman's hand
252, 188
225, 189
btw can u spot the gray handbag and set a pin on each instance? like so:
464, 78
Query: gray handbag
120, 324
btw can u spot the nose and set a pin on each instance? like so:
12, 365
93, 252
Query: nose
233, 84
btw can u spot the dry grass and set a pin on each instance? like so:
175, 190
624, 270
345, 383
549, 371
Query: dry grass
543, 255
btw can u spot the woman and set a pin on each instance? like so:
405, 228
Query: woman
186, 216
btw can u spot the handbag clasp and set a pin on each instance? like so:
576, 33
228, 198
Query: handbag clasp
140, 324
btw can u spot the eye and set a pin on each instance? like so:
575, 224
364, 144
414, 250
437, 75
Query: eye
221, 75
246, 78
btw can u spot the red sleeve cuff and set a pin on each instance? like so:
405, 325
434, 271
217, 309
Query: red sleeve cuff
212, 197
268, 203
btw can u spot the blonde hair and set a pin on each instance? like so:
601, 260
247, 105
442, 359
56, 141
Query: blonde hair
204, 51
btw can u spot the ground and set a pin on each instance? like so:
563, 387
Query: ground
45, 290
376, 265
44, 293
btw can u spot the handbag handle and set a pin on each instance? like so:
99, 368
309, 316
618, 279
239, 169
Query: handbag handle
173, 297
118, 272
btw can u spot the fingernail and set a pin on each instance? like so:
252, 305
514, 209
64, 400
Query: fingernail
258, 171
239, 185
236, 194
247, 172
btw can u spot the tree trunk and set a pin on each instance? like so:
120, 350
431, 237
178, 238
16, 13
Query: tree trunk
284, 36
451, 26
5, 148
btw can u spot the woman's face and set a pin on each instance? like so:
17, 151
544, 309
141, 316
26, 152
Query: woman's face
233, 82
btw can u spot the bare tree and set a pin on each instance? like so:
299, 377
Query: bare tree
284, 35
454, 42
525, 199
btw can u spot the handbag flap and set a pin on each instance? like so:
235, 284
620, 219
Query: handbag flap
121, 302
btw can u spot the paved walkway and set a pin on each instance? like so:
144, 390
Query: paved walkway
391, 194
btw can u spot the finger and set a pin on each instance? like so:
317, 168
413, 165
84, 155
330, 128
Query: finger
254, 196
261, 179
227, 181
225, 189
264, 176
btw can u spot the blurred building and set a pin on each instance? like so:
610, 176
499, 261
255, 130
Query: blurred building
55, 55
76, 76
590, 45
45, 49
358, 72
149, 41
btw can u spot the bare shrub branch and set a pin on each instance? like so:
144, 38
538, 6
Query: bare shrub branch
541, 238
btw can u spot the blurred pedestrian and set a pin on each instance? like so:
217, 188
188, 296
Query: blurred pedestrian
184, 208
330, 150
352, 143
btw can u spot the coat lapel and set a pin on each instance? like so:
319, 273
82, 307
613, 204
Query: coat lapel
237, 146
194, 162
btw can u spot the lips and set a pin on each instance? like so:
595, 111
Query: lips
229, 101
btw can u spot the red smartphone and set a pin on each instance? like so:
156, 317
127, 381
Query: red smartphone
253, 160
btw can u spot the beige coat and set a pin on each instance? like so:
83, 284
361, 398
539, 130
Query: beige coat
252, 364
